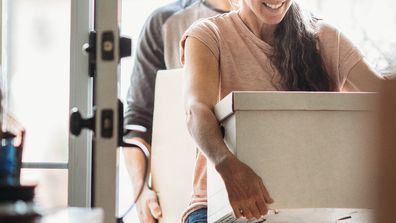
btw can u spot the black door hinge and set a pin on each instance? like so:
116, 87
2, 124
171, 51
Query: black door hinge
125, 49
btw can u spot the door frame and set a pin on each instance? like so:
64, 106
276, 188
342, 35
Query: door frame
81, 96
93, 174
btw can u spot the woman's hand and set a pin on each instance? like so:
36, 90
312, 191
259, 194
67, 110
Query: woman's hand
246, 191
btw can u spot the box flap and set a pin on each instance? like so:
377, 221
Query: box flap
225, 107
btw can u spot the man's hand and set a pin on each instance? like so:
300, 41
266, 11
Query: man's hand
148, 207
246, 191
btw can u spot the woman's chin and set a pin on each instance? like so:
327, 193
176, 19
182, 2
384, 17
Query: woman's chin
272, 20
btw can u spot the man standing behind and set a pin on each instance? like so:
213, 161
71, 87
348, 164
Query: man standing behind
158, 49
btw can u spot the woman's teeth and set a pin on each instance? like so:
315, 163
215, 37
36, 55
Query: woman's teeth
272, 6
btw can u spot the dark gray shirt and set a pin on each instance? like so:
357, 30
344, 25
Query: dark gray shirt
158, 49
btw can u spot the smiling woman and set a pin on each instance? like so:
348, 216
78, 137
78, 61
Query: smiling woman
263, 46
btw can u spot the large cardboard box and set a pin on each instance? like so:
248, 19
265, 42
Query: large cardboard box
173, 149
312, 150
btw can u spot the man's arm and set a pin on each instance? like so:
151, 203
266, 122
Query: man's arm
149, 59
139, 111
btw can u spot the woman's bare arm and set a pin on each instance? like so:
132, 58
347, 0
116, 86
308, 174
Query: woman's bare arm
201, 89
247, 198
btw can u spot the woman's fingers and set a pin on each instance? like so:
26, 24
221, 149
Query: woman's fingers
266, 195
237, 211
254, 210
256, 213
262, 208
247, 213
249, 197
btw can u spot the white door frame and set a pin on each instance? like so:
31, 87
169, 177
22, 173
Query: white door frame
105, 163
81, 95
93, 172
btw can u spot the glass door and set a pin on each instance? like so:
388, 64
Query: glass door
35, 83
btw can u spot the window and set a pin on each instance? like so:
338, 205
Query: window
370, 25
38, 90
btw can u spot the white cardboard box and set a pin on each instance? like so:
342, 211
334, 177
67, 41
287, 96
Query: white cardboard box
312, 150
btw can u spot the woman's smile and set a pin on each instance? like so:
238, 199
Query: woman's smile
269, 11
274, 6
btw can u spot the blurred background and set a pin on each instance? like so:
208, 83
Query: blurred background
38, 72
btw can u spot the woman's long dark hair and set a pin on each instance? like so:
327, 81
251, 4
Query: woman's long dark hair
296, 56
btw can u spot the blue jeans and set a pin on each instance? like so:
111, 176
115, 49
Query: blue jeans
198, 216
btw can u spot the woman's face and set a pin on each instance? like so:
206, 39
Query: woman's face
270, 12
